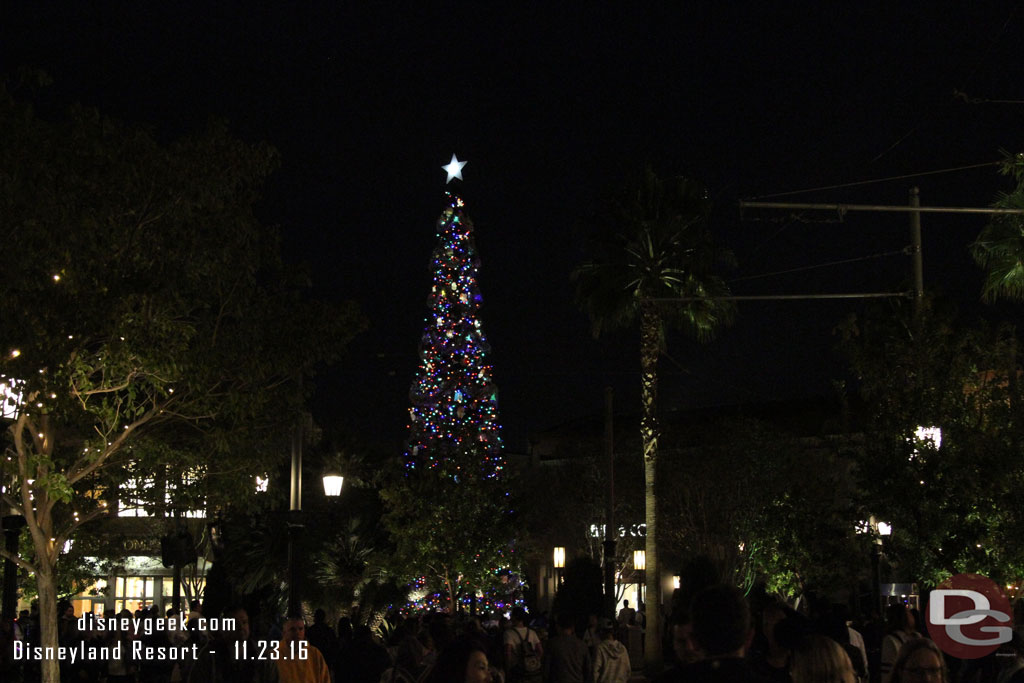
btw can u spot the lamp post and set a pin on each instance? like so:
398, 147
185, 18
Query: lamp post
559, 564
640, 565
877, 530
332, 487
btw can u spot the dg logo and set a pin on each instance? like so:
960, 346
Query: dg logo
968, 616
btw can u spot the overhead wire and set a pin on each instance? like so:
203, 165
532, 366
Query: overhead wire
829, 264
931, 110
877, 180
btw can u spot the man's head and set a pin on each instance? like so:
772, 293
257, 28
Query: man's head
294, 629
721, 621
241, 617
519, 615
566, 623
682, 642
773, 613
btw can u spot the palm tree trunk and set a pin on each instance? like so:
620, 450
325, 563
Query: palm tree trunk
650, 344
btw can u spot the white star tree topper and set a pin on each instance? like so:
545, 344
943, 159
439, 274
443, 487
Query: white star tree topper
454, 169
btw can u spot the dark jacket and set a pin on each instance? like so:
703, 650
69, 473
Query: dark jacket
567, 660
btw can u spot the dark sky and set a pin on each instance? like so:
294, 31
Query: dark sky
551, 106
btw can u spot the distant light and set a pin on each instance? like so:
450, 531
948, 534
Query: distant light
11, 397
933, 434
559, 557
676, 582
15, 353
884, 529
262, 484
56, 278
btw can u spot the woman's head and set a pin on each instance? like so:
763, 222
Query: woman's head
919, 660
821, 660
463, 661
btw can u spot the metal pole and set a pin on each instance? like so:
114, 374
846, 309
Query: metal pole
609, 503
176, 589
295, 524
295, 498
843, 208
876, 578
915, 250
783, 297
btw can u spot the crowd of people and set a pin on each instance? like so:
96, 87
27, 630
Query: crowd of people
719, 639
715, 637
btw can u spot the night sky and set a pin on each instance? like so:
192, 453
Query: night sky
551, 107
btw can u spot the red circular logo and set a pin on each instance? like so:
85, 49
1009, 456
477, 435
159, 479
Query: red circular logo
968, 616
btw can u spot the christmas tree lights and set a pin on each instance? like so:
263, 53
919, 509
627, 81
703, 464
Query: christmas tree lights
453, 423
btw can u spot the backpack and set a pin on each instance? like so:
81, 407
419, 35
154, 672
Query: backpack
529, 663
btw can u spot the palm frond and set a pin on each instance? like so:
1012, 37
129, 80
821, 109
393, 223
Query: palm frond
652, 241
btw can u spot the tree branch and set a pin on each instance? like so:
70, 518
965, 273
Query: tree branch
80, 394
11, 502
76, 473
95, 514
17, 560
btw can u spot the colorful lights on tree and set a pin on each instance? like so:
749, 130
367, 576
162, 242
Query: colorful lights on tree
454, 413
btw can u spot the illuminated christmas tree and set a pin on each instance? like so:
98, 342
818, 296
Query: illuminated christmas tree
454, 413
449, 516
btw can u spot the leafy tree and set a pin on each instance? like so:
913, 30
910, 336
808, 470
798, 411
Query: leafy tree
457, 533
558, 500
999, 248
149, 325
953, 501
762, 501
652, 242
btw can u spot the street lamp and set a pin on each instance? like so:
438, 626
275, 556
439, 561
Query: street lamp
332, 483
332, 487
640, 564
559, 564
877, 530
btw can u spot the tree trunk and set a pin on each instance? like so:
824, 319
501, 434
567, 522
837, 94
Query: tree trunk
650, 344
451, 594
48, 617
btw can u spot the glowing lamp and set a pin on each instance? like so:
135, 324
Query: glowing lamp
639, 560
332, 484
559, 557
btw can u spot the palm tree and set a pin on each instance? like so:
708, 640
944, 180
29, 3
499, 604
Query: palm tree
999, 248
652, 261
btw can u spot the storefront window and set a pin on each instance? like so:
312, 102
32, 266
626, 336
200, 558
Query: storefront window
134, 592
